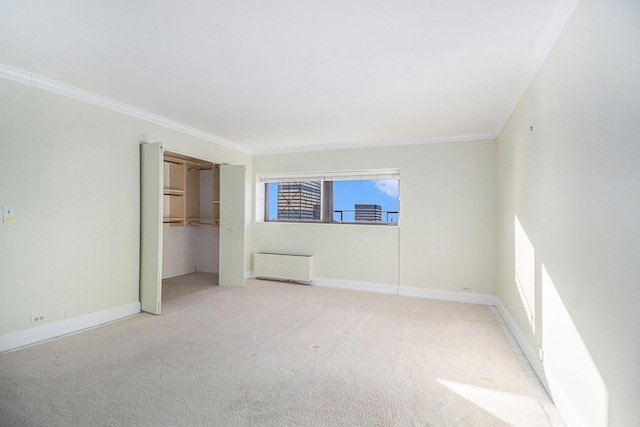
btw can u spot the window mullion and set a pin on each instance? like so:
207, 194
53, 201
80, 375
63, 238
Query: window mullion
327, 201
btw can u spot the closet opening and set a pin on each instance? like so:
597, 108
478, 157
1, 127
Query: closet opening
190, 225
192, 221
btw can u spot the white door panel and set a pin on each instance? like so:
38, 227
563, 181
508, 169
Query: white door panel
151, 227
232, 225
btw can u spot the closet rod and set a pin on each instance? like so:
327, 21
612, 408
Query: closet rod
206, 168
175, 162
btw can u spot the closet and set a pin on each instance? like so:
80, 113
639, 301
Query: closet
191, 192
192, 220
191, 217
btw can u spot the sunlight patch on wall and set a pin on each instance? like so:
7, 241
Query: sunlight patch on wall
574, 380
525, 268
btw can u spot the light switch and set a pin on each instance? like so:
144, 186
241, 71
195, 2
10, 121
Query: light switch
8, 214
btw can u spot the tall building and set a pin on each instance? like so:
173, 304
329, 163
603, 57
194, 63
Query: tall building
369, 213
299, 200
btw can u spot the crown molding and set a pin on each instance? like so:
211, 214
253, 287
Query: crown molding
543, 46
15, 74
51, 85
55, 86
377, 143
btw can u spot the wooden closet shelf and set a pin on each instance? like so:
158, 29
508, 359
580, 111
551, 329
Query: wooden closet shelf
203, 221
182, 196
168, 220
173, 160
201, 167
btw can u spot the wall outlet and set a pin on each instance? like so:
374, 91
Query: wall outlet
466, 288
38, 318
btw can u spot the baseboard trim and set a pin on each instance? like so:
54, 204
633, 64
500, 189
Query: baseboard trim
354, 285
561, 401
465, 297
409, 291
527, 349
16, 340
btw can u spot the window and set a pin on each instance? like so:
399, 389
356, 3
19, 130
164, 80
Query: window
362, 197
295, 201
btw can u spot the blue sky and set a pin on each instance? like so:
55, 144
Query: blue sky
348, 193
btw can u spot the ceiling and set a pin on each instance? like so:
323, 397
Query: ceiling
294, 74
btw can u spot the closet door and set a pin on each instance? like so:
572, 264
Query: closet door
151, 199
232, 253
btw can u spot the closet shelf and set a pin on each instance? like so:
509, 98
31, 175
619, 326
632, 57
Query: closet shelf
173, 160
169, 220
203, 221
198, 167
182, 184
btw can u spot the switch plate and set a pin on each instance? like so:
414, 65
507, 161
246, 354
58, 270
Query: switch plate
8, 214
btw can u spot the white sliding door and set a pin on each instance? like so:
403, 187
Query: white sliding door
151, 163
231, 225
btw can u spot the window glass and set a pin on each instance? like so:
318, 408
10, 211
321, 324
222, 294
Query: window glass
295, 201
335, 201
365, 201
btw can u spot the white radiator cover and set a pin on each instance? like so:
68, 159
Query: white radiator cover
298, 268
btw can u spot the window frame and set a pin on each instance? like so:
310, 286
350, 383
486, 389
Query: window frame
324, 214
327, 180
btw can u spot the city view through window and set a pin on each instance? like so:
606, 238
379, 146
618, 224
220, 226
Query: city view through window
370, 201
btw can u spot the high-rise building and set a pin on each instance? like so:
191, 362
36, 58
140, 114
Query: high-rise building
299, 200
369, 213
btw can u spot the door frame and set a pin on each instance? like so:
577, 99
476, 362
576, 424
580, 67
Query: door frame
151, 227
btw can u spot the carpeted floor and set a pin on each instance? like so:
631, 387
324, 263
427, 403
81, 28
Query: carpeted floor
176, 287
277, 354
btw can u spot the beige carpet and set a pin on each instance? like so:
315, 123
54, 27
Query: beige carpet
176, 287
276, 354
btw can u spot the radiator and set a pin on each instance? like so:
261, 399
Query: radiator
297, 268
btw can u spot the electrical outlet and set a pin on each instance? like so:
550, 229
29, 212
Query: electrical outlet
38, 318
466, 288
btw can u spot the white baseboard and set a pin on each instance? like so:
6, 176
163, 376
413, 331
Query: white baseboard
384, 288
465, 297
554, 389
67, 326
527, 349
353, 285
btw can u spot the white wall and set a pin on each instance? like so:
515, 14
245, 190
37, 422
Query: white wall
189, 249
360, 253
569, 204
71, 169
447, 234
